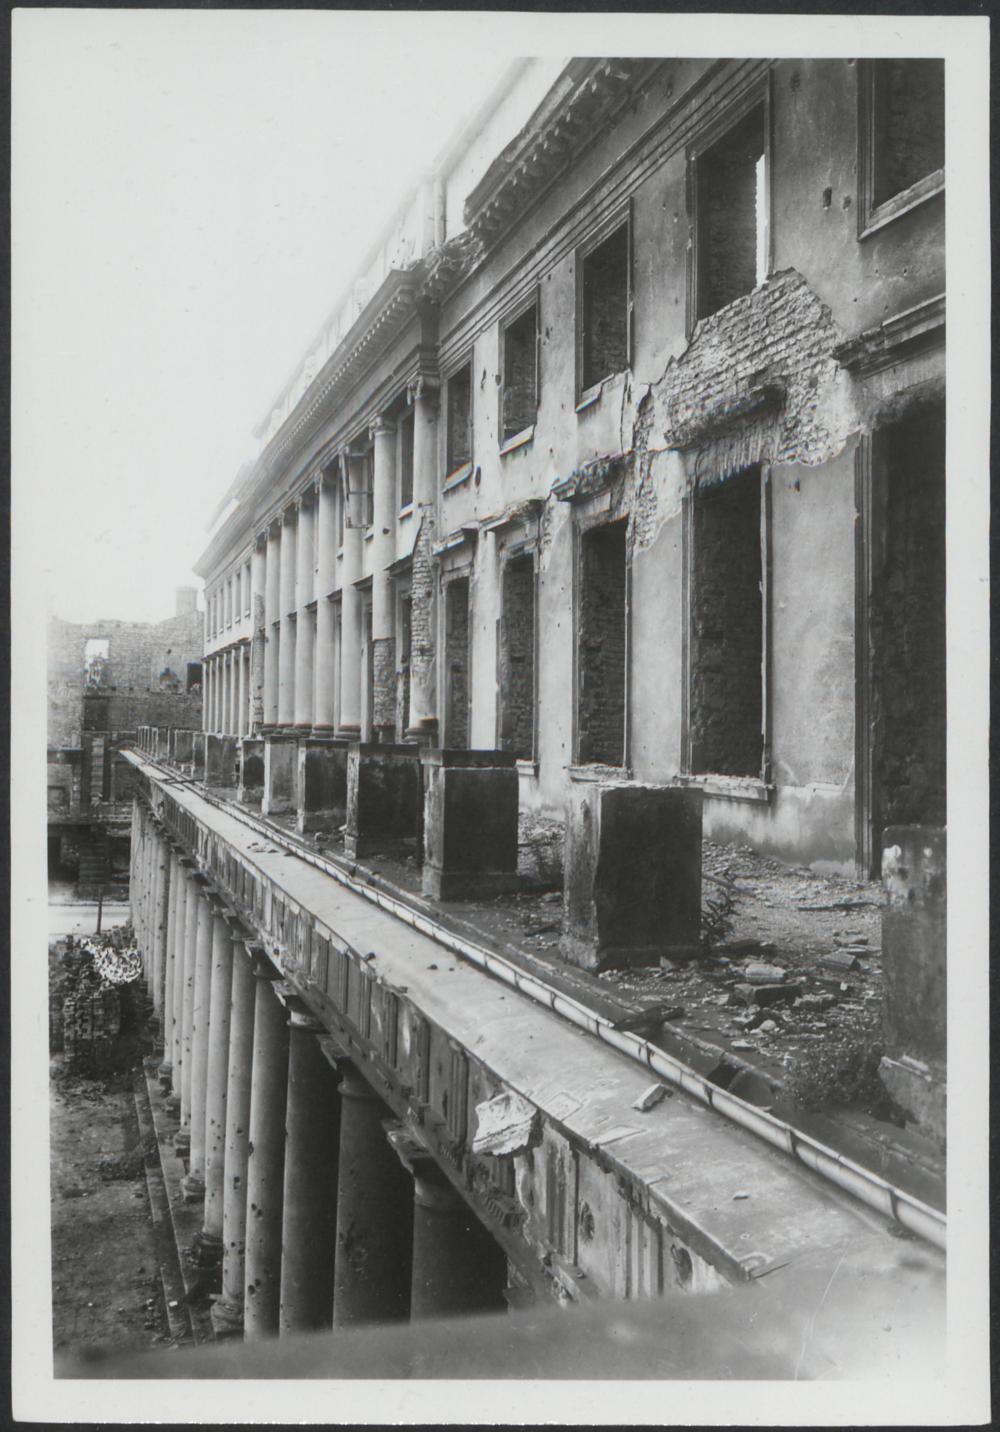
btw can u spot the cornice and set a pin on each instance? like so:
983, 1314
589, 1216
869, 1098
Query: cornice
899, 337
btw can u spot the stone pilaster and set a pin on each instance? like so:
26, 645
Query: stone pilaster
350, 626
286, 599
423, 620
272, 610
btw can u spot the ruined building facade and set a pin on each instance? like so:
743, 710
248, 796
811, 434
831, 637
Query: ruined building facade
105, 680
610, 496
626, 451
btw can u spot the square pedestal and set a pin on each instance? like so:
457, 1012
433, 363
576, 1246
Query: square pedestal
163, 742
220, 760
383, 798
915, 972
321, 801
280, 754
632, 890
470, 823
182, 747
198, 755
251, 783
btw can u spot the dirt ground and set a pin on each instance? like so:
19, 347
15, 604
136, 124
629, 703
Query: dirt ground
106, 1289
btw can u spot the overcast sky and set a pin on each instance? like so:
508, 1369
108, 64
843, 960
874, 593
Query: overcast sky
192, 191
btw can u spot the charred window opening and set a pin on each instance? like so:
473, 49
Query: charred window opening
908, 112
908, 648
517, 658
457, 662
459, 416
406, 460
602, 646
520, 374
727, 628
731, 215
604, 309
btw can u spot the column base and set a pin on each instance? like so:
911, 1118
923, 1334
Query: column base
193, 1188
227, 1317
172, 1104
462, 885
163, 1072
206, 1254
182, 1143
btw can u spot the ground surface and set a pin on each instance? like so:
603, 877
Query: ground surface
106, 1289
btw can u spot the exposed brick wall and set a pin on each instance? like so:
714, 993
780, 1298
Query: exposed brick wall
780, 337
605, 309
118, 712
403, 668
727, 215
726, 628
601, 707
423, 575
908, 627
517, 658
457, 661
909, 111
384, 686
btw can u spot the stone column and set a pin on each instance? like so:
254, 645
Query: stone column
177, 992
371, 1280
265, 1162
242, 715
286, 601
350, 623
160, 926
191, 908
423, 618
194, 1184
457, 1267
209, 1241
206, 693
309, 1224
167, 1020
258, 582
383, 553
227, 1311
326, 516
303, 627
272, 637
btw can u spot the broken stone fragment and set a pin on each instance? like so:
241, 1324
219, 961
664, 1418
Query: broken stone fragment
758, 973
839, 960
815, 1002
651, 1097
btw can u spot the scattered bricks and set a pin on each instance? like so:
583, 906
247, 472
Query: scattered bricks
839, 960
815, 1003
767, 995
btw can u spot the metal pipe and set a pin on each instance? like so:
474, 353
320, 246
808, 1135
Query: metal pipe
867, 1187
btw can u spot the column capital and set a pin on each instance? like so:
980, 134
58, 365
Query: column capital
431, 1186
381, 427
290, 512
260, 539
423, 388
273, 528
260, 964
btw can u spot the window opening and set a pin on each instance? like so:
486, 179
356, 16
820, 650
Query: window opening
908, 124
731, 214
517, 658
457, 661
605, 309
726, 713
406, 432
459, 404
602, 646
520, 374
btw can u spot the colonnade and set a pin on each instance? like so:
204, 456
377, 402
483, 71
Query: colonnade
301, 670
319, 1209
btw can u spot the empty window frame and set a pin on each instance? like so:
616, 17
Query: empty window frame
519, 367
728, 627
457, 648
900, 137
517, 657
604, 308
602, 642
406, 433
728, 196
458, 409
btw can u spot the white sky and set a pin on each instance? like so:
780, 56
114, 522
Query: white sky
200, 188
